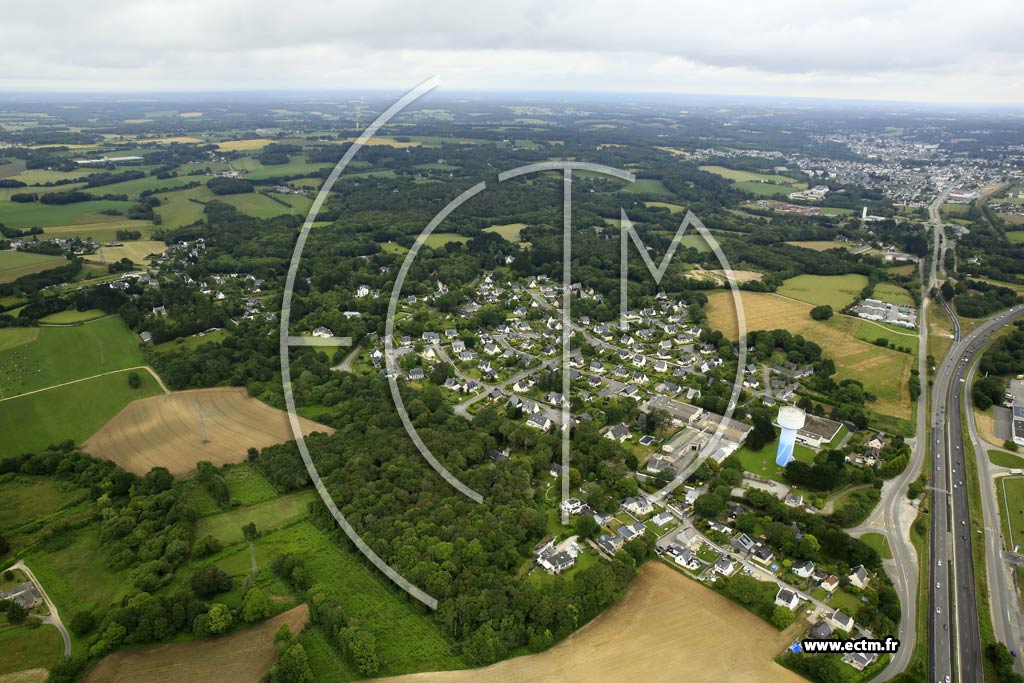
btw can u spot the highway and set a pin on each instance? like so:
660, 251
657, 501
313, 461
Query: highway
1007, 618
953, 531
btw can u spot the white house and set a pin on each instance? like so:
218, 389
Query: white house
638, 506
787, 598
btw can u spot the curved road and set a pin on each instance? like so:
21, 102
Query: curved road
53, 619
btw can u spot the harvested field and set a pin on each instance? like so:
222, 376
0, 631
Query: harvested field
179, 429
26, 676
720, 277
244, 655
884, 372
673, 624
821, 245
137, 252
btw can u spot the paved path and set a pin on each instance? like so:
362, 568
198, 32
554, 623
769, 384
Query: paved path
346, 364
53, 618
102, 374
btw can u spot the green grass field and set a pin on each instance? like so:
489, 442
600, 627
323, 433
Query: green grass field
191, 342
835, 290
102, 231
26, 502
296, 166
14, 264
762, 463
73, 411
764, 189
324, 661
672, 208
749, 176
72, 316
439, 239
62, 354
647, 186
893, 294
247, 485
509, 231
12, 337
271, 514
23, 648
1011, 503
262, 206
407, 638
1016, 236
1006, 459
869, 330
133, 188
73, 568
15, 215
879, 543
954, 209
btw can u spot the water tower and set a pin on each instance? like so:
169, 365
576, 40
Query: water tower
790, 420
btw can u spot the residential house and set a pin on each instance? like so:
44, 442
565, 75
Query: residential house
762, 554
725, 567
804, 569
830, 584
688, 538
540, 422
841, 621
572, 506
743, 543
662, 519
619, 433
820, 631
638, 506
631, 531
859, 576
556, 562
787, 598
610, 544
688, 559
860, 660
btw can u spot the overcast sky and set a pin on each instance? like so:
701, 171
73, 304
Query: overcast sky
921, 50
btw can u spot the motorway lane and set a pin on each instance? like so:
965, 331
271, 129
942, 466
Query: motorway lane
953, 532
1007, 617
